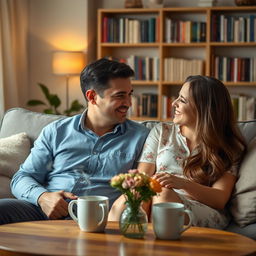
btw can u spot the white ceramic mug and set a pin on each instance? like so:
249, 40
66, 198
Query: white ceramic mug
168, 220
92, 212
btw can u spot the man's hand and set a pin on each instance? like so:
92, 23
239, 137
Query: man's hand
53, 204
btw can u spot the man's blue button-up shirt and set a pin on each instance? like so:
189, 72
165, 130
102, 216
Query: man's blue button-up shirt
67, 156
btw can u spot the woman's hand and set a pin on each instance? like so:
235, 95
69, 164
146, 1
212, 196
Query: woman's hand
168, 180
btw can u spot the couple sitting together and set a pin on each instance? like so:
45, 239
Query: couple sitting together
195, 158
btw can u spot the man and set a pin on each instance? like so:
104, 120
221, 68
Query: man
79, 155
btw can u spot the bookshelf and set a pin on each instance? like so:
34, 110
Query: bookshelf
178, 42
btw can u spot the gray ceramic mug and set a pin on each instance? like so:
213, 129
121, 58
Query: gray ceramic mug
92, 212
168, 220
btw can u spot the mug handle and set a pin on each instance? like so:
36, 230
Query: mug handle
103, 207
70, 210
190, 215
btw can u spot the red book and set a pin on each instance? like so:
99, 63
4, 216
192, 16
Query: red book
105, 30
232, 68
239, 66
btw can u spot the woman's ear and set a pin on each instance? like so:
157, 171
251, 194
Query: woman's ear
91, 96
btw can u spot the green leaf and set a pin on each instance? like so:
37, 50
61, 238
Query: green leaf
45, 91
48, 111
54, 100
35, 103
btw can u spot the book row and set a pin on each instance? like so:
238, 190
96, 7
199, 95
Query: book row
145, 68
177, 31
177, 69
144, 105
244, 107
234, 69
227, 28
127, 30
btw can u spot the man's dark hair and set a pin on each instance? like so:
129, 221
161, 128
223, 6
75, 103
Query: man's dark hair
97, 74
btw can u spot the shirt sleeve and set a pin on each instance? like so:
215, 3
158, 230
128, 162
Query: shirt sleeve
150, 149
28, 182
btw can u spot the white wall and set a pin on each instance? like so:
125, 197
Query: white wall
55, 25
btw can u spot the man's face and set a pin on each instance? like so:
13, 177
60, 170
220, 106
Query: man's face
116, 100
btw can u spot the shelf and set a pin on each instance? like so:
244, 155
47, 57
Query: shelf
131, 11
172, 83
240, 83
184, 44
143, 118
205, 50
129, 45
233, 8
232, 44
144, 83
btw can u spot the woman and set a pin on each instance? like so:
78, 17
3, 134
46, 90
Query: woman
196, 158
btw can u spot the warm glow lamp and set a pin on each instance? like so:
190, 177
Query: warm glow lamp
68, 64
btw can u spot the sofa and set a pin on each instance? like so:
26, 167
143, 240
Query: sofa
20, 127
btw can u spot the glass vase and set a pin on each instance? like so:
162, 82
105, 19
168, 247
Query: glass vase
133, 221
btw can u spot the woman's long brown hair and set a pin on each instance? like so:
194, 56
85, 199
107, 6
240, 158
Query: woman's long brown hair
220, 143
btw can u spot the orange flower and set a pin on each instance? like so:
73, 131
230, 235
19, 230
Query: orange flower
155, 185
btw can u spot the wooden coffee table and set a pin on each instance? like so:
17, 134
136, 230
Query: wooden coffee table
63, 237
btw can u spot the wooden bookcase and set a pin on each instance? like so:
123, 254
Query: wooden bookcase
160, 48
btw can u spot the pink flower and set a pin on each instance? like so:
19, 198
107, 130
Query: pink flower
133, 171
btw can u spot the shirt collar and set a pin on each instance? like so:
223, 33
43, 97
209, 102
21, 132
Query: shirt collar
120, 127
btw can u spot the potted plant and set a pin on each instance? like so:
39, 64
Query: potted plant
53, 102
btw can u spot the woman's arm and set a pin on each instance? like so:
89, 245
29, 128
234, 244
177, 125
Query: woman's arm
148, 168
215, 196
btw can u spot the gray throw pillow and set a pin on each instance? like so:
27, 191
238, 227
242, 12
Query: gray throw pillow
243, 200
13, 151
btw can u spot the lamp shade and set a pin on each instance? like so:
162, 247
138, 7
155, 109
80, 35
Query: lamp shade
68, 63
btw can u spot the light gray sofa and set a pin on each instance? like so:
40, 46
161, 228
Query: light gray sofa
242, 205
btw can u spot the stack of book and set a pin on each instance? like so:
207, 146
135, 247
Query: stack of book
145, 68
226, 28
177, 31
127, 30
144, 105
176, 70
167, 109
234, 69
244, 107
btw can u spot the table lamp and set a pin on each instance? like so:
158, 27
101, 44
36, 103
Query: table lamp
68, 64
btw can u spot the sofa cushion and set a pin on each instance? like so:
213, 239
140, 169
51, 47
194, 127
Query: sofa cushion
13, 151
249, 230
248, 129
243, 200
17, 120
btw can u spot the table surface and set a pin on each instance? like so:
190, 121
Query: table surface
63, 237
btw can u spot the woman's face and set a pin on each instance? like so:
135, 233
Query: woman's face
185, 114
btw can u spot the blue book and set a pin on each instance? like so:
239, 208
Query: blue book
252, 17
152, 30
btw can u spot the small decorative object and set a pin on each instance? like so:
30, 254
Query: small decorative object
54, 102
133, 4
155, 3
137, 187
207, 3
245, 2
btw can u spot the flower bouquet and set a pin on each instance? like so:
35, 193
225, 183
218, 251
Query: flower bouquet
137, 187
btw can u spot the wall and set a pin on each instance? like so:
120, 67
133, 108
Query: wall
58, 25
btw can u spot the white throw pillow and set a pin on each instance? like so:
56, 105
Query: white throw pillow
243, 201
13, 152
